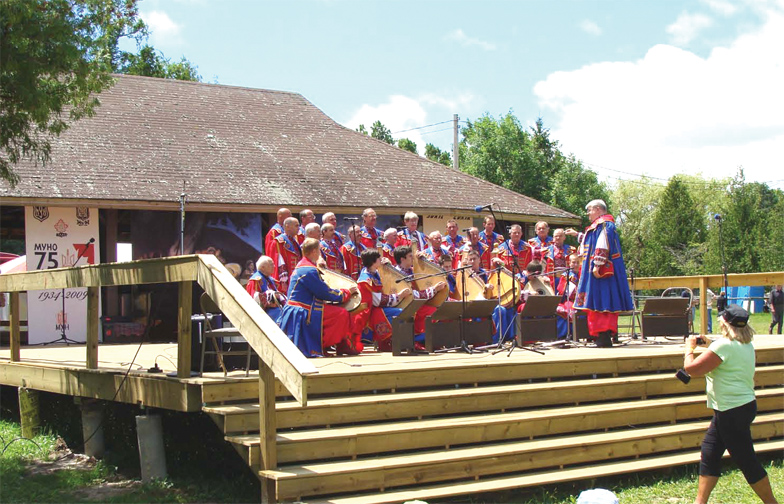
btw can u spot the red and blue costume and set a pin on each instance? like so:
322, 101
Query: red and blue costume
503, 318
287, 254
425, 310
370, 236
307, 320
406, 237
264, 290
376, 310
269, 240
434, 255
388, 251
330, 251
351, 258
491, 241
557, 257
603, 290
511, 253
539, 248
485, 253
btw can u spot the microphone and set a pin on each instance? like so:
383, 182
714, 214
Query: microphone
479, 208
465, 230
92, 240
717, 217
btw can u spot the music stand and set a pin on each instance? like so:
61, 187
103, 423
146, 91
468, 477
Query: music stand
403, 328
63, 337
443, 328
538, 318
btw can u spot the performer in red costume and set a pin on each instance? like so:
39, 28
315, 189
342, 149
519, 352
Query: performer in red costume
287, 252
275, 231
351, 251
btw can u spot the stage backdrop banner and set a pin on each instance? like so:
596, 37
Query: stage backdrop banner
437, 222
59, 237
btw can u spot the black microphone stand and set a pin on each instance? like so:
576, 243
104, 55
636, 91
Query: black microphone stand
63, 337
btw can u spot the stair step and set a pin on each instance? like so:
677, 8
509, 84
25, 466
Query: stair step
536, 479
352, 441
441, 465
375, 407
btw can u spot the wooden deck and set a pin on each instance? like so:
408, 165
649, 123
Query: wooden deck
378, 428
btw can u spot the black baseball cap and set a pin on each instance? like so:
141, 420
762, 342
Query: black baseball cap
736, 316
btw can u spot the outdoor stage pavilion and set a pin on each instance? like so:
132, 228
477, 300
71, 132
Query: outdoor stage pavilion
235, 151
351, 429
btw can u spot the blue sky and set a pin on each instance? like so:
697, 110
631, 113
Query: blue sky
630, 87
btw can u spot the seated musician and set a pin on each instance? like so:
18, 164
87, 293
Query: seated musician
503, 318
307, 319
351, 251
485, 253
377, 309
534, 269
330, 250
436, 248
405, 260
263, 288
410, 234
445, 261
488, 236
567, 289
287, 252
514, 253
388, 247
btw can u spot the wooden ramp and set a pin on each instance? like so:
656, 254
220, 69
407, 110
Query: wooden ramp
382, 429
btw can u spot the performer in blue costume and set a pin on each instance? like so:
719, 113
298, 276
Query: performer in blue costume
307, 320
264, 289
603, 290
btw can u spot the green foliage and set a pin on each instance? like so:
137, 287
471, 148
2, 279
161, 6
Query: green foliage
362, 129
677, 229
634, 204
151, 63
406, 144
528, 162
433, 153
381, 132
54, 55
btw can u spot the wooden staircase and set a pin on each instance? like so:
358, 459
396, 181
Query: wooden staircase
468, 428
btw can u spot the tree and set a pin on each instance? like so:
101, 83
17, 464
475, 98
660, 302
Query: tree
381, 132
54, 56
433, 153
634, 203
677, 230
151, 63
571, 186
362, 129
406, 144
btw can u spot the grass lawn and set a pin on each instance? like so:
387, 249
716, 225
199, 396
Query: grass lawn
90, 481
759, 321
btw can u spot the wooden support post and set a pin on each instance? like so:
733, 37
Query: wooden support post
703, 305
13, 311
184, 308
92, 328
267, 430
29, 412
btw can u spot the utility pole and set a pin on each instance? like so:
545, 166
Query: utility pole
455, 146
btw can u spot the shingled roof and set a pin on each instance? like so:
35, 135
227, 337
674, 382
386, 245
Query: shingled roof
241, 147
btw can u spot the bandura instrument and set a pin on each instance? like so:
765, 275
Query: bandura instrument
538, 286
389, 285
510, 287
474, 288
337, 280
424, 267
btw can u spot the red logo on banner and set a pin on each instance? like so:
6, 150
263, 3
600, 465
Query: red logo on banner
61, 227
85, 253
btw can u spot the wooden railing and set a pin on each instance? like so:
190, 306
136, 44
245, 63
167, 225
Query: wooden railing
705, 282
275, 350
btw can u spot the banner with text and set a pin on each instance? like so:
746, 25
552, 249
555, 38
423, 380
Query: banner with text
59, 237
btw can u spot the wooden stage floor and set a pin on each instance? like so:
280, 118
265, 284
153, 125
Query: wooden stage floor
118, 358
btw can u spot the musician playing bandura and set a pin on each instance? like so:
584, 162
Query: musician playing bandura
405, 260
514, 253
263, 288
377, 309
388, 247
485, 254
436, 248
453, 241
307, 320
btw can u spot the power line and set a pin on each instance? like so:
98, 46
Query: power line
421, 127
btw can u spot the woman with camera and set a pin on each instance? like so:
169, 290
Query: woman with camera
728, 366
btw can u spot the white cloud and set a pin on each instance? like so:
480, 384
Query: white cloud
673, 111
461, 38
401, 113
723, 7
162, 29
590, 27
687, 27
